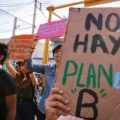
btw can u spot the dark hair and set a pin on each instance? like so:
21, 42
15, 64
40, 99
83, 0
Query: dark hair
4, 52
19, 63
58, 46
22, 63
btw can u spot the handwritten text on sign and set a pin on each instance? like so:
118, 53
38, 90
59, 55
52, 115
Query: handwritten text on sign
90, 70
52, 29
20, 48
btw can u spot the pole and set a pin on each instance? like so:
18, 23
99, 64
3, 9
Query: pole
57, 15
46, 48
34, 17
14, 26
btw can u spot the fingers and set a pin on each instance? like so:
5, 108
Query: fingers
56, 103
56, 90
58, 97
59, 106
31, 50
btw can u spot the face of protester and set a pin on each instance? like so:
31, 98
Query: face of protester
23, 69
57, 55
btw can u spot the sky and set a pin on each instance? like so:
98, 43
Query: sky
23, 10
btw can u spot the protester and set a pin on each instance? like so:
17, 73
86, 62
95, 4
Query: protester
25, 83
7, 89
57, 106
49, 71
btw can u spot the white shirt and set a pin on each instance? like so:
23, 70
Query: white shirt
69, 117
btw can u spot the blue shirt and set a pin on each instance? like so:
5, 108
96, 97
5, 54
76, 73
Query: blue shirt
49, 71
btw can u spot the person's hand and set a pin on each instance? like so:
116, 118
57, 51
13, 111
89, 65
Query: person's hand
56, 104
31, 50
0, 67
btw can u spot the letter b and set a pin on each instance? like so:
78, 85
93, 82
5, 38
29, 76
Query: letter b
87, 105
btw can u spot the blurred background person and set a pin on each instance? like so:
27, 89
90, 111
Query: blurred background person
25, 83
7, 89
49, 71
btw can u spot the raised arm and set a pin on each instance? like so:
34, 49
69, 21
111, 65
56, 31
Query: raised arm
11, 68
34, 68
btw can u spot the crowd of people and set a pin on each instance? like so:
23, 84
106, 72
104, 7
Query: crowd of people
17, 91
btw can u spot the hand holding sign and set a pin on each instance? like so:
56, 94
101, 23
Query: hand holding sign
56, 104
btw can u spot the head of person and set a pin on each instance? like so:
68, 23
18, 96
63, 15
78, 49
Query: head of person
18, 65
57, 52
23, 68
4, 53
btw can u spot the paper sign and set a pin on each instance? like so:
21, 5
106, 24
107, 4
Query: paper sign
52, 29
20, 47
89, 69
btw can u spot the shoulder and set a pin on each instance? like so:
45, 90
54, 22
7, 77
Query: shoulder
50, 66
50, 69
8, 82
5, 75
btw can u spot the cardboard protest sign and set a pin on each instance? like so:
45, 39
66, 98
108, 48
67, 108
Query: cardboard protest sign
52, 29
89, 69
20, 46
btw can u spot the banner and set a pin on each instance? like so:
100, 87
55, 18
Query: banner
89, 69
52, 29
